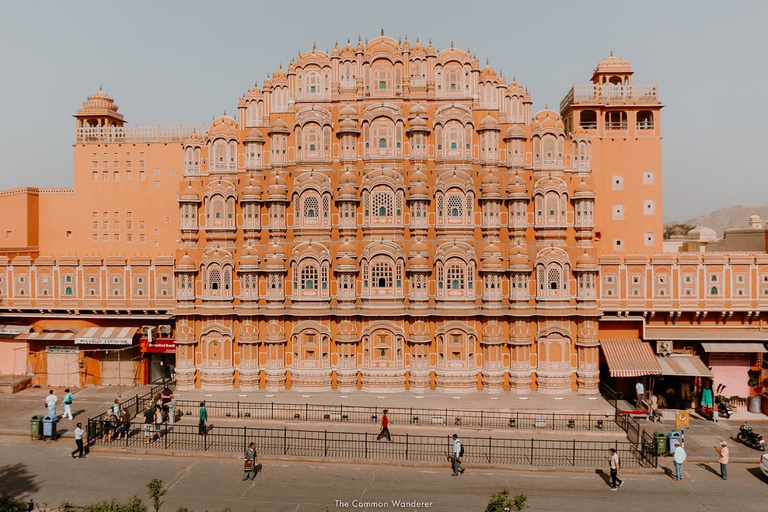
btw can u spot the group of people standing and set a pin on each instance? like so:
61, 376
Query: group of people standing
116, 423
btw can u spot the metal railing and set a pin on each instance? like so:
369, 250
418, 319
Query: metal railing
363, 445
404, 416
134, 405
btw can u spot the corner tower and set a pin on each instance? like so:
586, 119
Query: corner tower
99, 111
622, 121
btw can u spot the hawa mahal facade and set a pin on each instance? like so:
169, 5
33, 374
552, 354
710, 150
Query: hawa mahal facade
384, 217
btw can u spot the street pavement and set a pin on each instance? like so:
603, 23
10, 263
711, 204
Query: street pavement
44, 472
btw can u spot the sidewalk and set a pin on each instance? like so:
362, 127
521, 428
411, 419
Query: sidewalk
16, 411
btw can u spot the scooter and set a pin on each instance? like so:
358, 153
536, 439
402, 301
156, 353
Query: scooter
724, 409
751, 438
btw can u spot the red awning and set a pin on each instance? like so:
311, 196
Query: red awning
630, 358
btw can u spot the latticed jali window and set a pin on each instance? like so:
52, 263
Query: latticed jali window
553, 278
311, 207
456, 277
381, 275
309, 277
455, 207
382, 204
214, 279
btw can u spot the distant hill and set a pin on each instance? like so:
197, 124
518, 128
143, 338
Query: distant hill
730, 217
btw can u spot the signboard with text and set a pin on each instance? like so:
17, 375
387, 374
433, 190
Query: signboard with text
157, 346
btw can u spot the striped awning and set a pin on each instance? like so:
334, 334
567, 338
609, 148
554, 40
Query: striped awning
630, 357
750, 348
47, 336
683, 365
14, 330
106, 336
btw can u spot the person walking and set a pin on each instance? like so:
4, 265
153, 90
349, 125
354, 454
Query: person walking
614, 464
384, 427
722, 451
203, 416
67, 402
50, 403
79, 433
458, 452
251, 464
678, 458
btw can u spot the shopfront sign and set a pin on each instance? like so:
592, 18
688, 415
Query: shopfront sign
157, 346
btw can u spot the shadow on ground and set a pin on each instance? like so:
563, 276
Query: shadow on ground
17, 481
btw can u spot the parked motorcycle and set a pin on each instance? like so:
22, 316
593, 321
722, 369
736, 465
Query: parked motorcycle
724, 409
747, 436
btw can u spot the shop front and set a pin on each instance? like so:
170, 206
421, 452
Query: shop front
731, 363
13, 352
52, 357
625, 363
159, 359
114, 347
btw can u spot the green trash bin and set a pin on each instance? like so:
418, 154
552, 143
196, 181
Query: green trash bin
35, 426
661, 442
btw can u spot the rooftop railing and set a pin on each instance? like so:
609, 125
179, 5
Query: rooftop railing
136, 134
605, 93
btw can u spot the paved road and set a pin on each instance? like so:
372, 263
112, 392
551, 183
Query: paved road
46, 473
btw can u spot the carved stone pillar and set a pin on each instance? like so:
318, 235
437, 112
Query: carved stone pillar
346, 380
274, 379
217, 379
419, 380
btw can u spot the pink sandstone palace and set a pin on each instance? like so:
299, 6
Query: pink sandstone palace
384, 217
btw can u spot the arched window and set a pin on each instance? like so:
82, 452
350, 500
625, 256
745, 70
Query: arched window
382, 143
311, 207
382, 204
381, 275
214, 279
68, 291
455, 277
553, 278
382, 84
309, 277
455, 206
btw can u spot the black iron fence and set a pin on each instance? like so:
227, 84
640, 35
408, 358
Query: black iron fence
364, 446
403, 415
134, 405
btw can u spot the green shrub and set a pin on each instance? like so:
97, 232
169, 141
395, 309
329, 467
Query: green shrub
10, 504
500, 502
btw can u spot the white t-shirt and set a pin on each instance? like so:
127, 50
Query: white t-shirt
79, 433
51, 400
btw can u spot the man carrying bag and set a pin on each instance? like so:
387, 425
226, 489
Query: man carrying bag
251, 464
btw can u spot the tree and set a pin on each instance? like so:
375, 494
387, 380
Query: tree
156, 493
676, 227
501, 502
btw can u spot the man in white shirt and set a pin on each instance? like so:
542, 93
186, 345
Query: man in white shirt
678, 458
613, 465
79, 433
50, 403
456, 458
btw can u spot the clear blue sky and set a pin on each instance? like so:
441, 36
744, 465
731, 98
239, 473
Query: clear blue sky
182, 62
